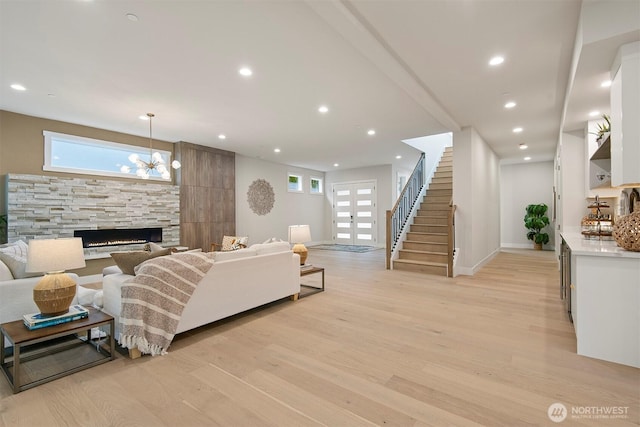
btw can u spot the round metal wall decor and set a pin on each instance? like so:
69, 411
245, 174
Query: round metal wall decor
261, 197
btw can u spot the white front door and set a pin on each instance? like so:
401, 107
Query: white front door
355, 213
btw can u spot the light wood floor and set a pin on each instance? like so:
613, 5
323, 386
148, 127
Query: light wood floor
377, 348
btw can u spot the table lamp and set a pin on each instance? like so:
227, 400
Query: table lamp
55, 291
298, 234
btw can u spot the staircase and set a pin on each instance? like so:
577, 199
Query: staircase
425, 248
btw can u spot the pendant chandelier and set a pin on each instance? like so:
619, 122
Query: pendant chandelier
155, 164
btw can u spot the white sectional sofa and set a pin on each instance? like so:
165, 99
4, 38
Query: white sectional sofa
238, 281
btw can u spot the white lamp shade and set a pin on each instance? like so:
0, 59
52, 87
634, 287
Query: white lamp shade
299, 234
49, 255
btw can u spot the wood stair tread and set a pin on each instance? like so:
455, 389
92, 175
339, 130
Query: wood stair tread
431, 243
412, 261
416, 251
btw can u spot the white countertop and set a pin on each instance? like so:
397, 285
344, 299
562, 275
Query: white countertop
581, 246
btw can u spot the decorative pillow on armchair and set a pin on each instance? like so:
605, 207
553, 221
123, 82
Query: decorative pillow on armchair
233, 243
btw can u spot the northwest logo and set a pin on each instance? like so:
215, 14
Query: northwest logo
557, 412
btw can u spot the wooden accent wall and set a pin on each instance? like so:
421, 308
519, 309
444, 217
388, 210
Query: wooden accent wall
207, 194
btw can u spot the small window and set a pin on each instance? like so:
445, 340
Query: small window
315, 185
294, 183
76, 154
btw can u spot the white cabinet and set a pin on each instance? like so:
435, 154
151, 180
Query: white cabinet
605, 300
607, 295
625, 110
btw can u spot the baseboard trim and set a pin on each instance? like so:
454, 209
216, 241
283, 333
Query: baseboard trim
470, 271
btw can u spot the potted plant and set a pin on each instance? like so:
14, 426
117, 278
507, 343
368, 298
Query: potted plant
535, 220
603, 130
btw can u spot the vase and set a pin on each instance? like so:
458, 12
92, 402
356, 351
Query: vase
626, 231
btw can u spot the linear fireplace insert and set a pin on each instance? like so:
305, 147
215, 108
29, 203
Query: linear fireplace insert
118, 236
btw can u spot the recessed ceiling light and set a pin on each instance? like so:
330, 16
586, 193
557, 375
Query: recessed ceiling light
606, 83
222, 136
276, 150
371, 132
398, 157
323, 109
335, 165
18, 87
517, 130
527, 158
143, 117
594, 113
523, 146
510, 104
245, 71
131, 17
496, 60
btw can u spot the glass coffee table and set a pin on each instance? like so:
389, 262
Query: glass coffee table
46, 354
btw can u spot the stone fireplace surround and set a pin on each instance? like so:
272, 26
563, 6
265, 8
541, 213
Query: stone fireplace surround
53, 206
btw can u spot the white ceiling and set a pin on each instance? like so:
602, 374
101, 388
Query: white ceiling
405, 68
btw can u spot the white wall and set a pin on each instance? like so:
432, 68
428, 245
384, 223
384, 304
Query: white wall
383, 175
521, 185
476, 193
289, 208
432, 146
403, 169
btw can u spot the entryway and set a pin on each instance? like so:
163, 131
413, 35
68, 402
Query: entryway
354, 213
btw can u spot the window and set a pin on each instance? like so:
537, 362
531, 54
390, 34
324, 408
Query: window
294, 183
315, 185
75, 154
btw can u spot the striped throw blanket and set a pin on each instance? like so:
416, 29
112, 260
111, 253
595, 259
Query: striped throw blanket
153, 300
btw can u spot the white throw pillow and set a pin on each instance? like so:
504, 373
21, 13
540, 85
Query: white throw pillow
14, 255
273, 240
154, 247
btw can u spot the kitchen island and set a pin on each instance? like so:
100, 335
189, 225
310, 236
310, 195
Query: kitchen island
605, 299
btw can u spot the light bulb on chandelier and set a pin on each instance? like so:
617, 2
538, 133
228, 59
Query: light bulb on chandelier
156, 163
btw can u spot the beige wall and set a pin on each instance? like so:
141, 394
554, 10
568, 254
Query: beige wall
22, 143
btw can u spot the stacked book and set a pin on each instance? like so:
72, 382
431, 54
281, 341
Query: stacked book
39, 320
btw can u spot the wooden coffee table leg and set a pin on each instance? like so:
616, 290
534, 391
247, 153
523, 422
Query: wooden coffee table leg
134, 353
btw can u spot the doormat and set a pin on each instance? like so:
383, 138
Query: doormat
345, 248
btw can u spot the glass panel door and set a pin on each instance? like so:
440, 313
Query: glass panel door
354, 213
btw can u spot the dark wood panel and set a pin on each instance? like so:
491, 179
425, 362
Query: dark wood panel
207, 194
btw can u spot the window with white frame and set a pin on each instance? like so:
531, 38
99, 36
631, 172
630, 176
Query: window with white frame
315, 185
294, 183
76, 154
